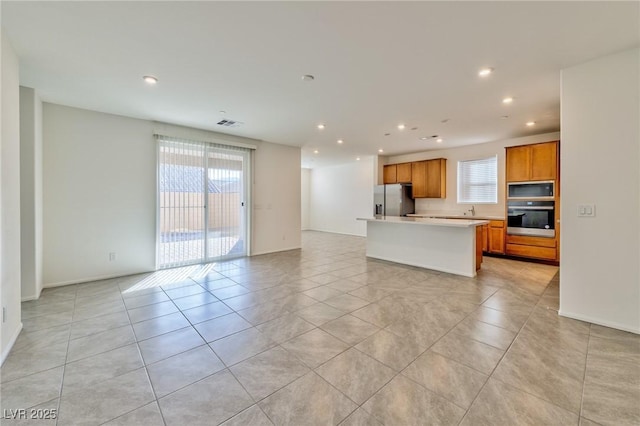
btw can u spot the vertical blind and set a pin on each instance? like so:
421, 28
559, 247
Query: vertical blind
202, 194
478, 181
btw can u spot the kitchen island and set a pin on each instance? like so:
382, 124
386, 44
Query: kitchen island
446, 245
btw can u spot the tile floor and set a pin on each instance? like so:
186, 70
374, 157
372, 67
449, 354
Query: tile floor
319, 336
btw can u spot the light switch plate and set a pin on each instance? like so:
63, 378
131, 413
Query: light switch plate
586, 210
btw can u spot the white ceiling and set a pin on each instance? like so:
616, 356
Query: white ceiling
376, 64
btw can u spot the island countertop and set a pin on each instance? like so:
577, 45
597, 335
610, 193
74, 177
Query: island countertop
456, 216
457, 223
446, 245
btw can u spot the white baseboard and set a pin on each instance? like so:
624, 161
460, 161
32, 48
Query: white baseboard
6, 350
336, 232
95, 278
259, 253
28, 298
599, 321
35, 297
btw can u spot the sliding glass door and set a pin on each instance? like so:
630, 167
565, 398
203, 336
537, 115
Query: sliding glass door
202, 202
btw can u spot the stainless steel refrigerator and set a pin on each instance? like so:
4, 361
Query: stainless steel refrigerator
392, 200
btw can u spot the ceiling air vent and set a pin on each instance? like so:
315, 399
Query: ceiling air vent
230, 123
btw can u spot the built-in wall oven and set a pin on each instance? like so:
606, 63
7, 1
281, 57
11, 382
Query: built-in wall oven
531, 217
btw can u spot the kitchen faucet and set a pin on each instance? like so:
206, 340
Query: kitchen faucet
472, 210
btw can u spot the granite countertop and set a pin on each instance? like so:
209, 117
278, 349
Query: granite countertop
459, 223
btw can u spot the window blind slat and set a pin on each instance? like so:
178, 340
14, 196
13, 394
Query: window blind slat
478, 181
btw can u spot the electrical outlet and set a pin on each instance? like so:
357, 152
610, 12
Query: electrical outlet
112, 257
586, 210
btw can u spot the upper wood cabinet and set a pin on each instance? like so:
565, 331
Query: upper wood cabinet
544, 158
428, 178
437, 178
389, 175
419, 179
397, 173
403, 173
532, 162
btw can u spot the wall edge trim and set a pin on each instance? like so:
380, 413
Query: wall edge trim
5, 353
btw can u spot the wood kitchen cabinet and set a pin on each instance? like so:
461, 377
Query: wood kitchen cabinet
496, 237
403, 173
437, 178
532, 162
478, 247
390, 174
428, 178
419, 179
493, 237
485, 238
534, 247
397, 173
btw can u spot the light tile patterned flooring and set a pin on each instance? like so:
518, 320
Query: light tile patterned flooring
320, 336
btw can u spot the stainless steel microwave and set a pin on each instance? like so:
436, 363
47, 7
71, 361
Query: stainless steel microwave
540, 190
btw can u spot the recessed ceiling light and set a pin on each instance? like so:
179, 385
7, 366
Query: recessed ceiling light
531, 123
308, 77
223, 112
340, 141
320, 126
357, 158
414, 128
424, 138
485, 72
439, 140
387, 134
507, 100
380, 150
316, 151
150, 79
400, 126
445, 120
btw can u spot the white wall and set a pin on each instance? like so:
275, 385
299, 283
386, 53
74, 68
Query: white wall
305, 182
471, 152
9, 198
100, 193
600, 151
276, 198
340, 194
31, 192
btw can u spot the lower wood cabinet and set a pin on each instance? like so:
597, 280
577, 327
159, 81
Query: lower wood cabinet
496, 237
545, 253
493, 237
533, 247
479, 244
485, 238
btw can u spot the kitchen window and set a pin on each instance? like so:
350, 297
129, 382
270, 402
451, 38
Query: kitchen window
478, 181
